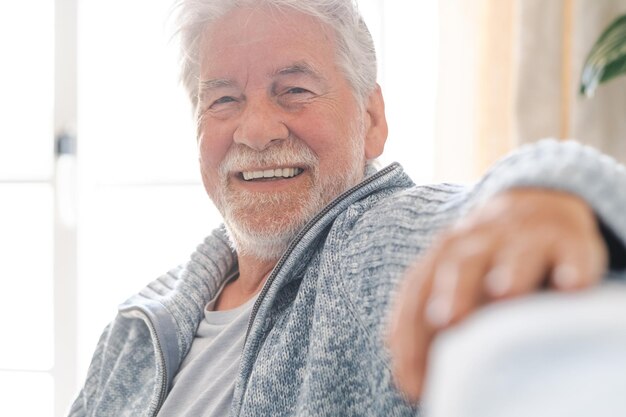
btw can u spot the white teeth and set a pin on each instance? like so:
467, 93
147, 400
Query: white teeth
271, 173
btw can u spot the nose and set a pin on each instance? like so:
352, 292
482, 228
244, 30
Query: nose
260, 125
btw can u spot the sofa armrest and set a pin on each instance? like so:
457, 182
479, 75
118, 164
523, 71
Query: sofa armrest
551, 354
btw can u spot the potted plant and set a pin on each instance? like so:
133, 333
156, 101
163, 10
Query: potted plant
607, 58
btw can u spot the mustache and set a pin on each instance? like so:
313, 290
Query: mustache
286, 153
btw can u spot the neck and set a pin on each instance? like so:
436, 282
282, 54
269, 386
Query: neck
252, 275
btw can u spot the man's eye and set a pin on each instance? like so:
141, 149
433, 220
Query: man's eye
297, 90
223, 100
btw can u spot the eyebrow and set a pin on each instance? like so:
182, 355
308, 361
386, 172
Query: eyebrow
298, 68
207, 85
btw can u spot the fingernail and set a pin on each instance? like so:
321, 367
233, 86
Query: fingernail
439, 311
497, 283
566, 276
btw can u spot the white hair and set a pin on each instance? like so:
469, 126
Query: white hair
356, 56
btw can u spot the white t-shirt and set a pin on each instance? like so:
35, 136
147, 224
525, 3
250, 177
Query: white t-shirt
205, 382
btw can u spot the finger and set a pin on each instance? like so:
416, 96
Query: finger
457, 287
409, 337
519, 269
579, 264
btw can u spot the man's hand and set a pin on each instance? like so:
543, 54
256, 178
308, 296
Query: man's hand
515, 244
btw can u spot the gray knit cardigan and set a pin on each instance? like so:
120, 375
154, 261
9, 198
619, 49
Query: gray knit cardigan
314, 342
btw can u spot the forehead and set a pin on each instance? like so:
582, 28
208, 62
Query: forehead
249, 38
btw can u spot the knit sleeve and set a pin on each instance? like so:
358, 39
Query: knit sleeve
570, 167
81, 405
78, 407
379, 243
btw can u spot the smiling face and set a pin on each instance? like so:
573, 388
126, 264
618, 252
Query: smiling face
280, 132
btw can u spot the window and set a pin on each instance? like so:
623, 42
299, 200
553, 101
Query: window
27, 208
406, 35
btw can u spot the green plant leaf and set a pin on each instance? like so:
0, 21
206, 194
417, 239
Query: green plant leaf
607, 58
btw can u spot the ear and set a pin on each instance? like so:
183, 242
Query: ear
376, 125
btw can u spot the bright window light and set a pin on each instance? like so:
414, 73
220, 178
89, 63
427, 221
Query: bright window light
26, 394
135, 121
26, 300
26, 89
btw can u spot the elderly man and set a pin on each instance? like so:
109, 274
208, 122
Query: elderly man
288, 309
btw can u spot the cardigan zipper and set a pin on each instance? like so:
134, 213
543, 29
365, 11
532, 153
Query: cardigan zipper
302, 233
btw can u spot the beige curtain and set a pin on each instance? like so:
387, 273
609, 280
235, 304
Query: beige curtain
509, 74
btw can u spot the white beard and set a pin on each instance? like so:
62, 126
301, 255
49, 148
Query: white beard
261, 225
